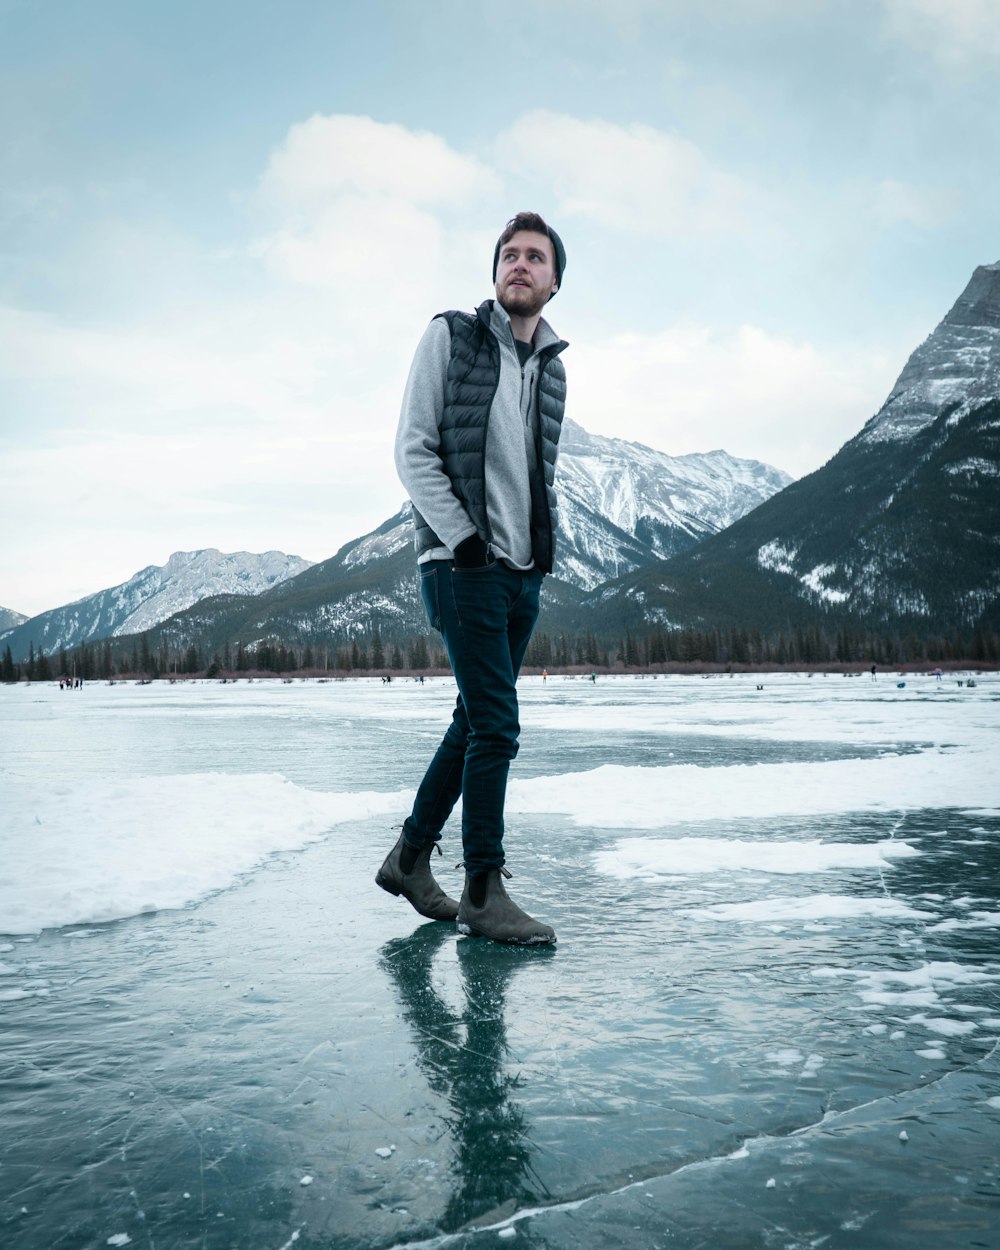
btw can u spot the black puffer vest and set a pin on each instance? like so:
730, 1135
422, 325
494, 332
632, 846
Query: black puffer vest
473, 377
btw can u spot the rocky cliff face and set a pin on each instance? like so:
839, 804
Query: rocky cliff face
959, 364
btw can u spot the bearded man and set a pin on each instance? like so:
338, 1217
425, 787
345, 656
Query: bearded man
476, 450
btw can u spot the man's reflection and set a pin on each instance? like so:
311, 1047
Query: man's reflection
463, 1058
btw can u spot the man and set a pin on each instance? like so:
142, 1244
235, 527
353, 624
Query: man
476, 450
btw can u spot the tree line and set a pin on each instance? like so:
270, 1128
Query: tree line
650, 649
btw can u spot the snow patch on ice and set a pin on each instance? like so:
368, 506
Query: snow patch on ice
163, 842
809, 908
974, 920
618, 796
652, 857
923, 986
944, 1026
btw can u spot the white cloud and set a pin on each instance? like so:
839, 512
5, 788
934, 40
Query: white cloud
164, 373
959, 34
330, 156
366, 208
696, 388
631, 178
904, 203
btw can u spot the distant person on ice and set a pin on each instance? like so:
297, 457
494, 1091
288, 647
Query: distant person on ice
476, 450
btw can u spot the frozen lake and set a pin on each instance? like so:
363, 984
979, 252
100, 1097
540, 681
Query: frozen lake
771, 1020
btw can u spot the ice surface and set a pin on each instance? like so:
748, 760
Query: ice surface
777, 951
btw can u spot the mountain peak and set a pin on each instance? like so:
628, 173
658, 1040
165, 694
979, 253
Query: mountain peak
957, 366
979, 303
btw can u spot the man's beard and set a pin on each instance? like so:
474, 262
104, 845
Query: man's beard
522, 301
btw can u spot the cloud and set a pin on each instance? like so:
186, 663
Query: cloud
904, 203
631, 178
127, 370
329, 156
374, 212
693, 388
961, 35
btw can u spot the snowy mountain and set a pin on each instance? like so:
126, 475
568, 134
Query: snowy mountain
151, 596
9, 619
622, 504
900, 530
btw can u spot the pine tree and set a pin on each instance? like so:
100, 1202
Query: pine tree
419, 656
378, 654
7, 670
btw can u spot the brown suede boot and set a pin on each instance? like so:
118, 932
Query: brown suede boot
488, 910
416, 884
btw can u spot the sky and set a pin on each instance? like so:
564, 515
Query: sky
224, 227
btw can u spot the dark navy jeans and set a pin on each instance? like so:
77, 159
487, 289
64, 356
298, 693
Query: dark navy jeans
485, 617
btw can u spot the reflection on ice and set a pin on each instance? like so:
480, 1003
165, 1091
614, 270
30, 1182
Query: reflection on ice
464, 1056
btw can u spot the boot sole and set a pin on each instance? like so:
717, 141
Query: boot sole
469, 931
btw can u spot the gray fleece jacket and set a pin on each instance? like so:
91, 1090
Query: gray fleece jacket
510, 443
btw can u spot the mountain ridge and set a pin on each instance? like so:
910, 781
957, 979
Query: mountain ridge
150, 596
662, 504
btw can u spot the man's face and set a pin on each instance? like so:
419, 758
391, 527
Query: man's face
526, 273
